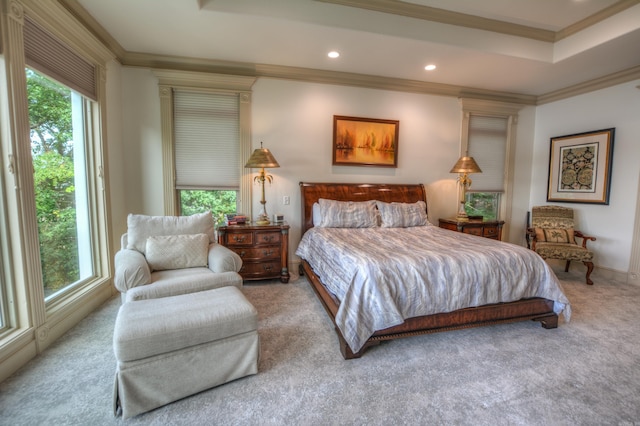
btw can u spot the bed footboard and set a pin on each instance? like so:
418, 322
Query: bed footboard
536, 309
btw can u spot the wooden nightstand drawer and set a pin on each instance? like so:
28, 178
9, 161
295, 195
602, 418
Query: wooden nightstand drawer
473, 231
254, 253
488, 229
240, 239
251, 270
268, 237
490, 232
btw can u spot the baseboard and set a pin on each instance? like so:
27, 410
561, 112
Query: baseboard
66, 318
18, 359
599, 272
294, 269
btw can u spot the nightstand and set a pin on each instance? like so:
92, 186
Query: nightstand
482, 228
263, 249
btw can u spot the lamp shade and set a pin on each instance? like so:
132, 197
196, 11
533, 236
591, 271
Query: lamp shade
262, 158
466, 165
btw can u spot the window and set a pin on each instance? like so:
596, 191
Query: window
206, 136
487, 145
207, 152
488, 130
54, 259
57, 123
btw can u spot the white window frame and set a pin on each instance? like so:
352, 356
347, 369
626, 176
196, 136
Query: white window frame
168, 81
510, 111
33, 323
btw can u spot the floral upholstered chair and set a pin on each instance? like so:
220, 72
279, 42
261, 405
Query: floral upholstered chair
553, 236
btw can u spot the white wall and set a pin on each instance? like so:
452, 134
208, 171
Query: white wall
115, 154
612, 224
295, 121
142, 140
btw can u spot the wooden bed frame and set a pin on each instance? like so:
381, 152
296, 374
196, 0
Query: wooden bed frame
537, 309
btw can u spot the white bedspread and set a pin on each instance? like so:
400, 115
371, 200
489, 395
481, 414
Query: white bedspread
384, 275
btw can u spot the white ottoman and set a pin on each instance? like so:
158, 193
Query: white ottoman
173, 347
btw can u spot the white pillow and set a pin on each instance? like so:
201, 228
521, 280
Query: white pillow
347, 214
402, 215
177, 251
315, 214
140, 227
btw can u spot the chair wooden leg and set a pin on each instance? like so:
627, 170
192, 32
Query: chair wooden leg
566, 266
589, 270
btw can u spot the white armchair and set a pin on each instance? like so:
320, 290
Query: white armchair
165, 256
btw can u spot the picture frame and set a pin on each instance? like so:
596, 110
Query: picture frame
359, 141
580, 167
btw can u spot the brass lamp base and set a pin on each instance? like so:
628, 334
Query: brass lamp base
263, 219
462, 213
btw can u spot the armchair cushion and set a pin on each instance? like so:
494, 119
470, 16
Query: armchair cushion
182, 281
177, 251
555, 235
564, 252
141, 227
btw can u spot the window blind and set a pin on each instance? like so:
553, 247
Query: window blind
48, 55
207, 140
488, 146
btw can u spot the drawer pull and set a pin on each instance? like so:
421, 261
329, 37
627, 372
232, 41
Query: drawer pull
239, 239
267, 252
242, 253
268, 267
267, 238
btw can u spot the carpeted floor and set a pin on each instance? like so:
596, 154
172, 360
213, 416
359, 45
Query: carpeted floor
586, 372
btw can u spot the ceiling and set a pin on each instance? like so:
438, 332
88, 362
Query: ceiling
527, 47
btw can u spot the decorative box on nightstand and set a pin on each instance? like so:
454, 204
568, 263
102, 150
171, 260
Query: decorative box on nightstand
263, 249
482, 228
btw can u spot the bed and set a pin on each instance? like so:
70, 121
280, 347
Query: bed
405, 304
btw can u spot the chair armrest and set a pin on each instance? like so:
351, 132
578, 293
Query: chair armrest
132, 270
531, 238
222, 259
585, 238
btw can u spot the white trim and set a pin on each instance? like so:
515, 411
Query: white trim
37, 324
495, 109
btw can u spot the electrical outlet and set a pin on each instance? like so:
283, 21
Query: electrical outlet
286, 200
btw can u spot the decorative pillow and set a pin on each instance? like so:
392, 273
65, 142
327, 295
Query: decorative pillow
403, 215
177, 251
347, 214
550, 235
315, 214
140, 227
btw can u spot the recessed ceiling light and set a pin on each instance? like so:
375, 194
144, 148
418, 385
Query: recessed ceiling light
430, 67
333, 54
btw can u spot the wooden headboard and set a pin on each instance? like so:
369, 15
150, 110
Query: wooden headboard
312, 191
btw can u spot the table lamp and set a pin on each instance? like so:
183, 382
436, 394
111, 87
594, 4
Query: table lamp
261, 159
464, 166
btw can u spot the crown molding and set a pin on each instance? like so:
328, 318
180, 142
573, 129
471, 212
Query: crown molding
443, 16
591, 85
135, 59
80, 13
190, 79
605, 13
160, 62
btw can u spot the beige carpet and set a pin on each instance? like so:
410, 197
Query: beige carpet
586, 372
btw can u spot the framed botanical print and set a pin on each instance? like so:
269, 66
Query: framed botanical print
580, 167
